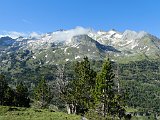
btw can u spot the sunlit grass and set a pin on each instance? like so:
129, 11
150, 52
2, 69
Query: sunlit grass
14, 113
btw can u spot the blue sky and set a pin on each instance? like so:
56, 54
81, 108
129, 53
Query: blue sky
51, 15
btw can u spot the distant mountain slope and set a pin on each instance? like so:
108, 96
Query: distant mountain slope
70, 45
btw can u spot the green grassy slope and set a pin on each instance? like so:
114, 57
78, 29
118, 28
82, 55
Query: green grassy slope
15, 113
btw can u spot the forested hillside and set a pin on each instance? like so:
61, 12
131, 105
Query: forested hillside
137, 81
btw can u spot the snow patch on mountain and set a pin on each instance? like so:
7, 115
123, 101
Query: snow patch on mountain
77, 57
67, 59
43, 41
127, 42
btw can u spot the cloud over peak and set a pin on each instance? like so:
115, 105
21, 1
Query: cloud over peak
12, 34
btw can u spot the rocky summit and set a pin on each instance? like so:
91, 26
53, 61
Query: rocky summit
70, 45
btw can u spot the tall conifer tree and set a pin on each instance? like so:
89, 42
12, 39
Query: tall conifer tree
105, 87
80, 91
106, 94
42, 93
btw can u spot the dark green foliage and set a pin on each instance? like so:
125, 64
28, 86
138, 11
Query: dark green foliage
21, 97
98, 94
6, 93
3, 88
139, 73
11, 97
108, 99
85, 83
80, 90
42, 93
141, 81
144, 71
142, 95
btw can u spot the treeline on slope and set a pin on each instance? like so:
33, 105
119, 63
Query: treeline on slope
142, 96
144, 71
141, 80
139, 72
87, 93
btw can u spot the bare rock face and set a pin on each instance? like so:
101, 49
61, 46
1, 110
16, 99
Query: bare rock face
70, 45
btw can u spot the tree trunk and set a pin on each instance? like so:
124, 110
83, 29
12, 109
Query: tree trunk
71, 108
68, 109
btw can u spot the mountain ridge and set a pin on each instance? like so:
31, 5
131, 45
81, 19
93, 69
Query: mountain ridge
70, 45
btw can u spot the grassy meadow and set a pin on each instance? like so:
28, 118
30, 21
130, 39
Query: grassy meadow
15, 113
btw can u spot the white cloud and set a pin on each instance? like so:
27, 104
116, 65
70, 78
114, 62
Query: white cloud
67, 35
57, 36
35, 35
12, 34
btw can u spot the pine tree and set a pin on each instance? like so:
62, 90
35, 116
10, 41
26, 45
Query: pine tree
80, 90
42, 93
22, 96
105, 93
3, 88
9, 97
104, 86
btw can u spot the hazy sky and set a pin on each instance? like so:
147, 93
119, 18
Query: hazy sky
51, 15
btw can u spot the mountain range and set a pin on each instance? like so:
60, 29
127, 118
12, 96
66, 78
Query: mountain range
70, 45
